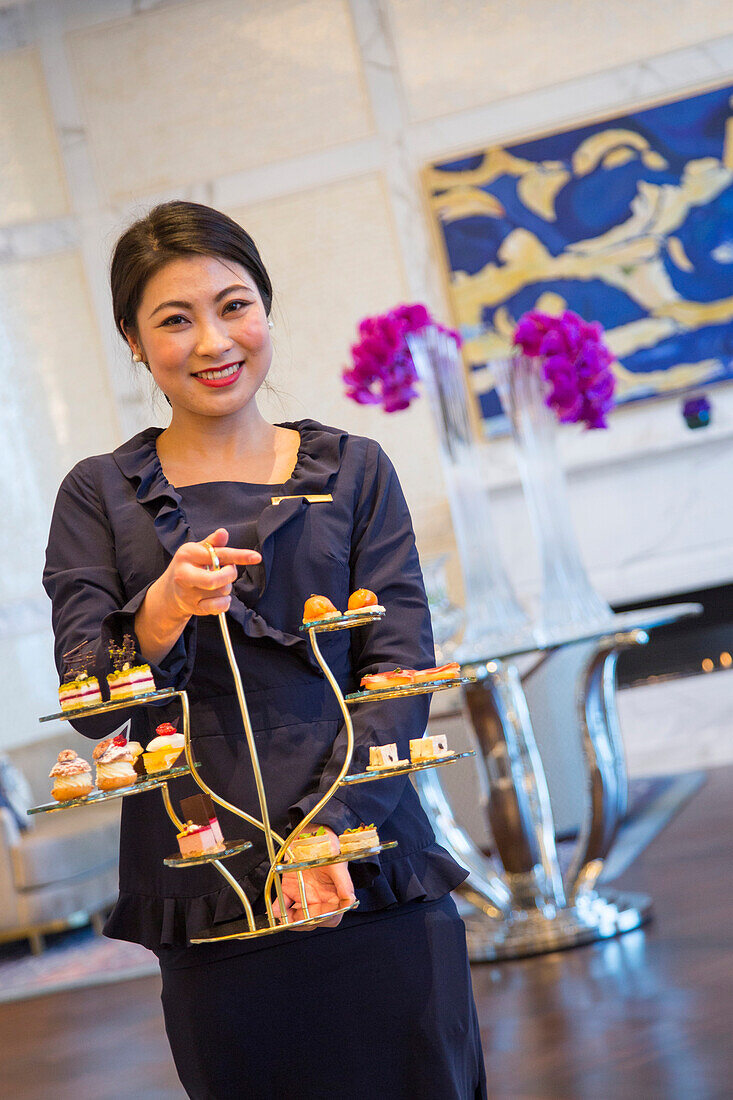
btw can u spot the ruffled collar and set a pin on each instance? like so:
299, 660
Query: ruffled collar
316, 469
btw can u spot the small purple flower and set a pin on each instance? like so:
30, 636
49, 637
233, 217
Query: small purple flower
382, 370
696, 411
576, 363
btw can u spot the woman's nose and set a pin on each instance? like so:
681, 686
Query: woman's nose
212, 339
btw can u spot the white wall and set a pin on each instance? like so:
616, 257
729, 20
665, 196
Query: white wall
310, 120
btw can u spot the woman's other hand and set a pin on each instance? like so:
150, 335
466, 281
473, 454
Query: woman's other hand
188, 587
326, 888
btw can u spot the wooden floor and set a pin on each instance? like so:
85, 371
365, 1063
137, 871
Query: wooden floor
649, 1015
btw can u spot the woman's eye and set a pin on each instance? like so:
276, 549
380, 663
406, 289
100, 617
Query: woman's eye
235, 306
176, 319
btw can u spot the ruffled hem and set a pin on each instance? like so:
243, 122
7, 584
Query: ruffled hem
424, 875
317, 465
169, 922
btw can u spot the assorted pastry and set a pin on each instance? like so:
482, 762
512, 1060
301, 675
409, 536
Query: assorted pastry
119, 762
164, 750
359, 839
320, 609
128, 679
115, 758
72, 776
79, 689
384, 756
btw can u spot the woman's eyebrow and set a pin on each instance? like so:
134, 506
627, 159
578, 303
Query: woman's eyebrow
187, 305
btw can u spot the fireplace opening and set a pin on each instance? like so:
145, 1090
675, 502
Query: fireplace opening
695, 646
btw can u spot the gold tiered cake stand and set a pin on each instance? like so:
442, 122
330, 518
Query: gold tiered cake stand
278, 847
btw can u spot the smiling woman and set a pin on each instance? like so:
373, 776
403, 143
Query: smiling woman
125, 556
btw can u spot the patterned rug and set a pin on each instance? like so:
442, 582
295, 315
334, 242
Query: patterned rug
82, 958
72, 959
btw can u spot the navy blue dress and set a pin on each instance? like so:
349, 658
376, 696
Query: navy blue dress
116, 524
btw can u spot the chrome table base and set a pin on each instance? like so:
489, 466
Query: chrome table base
526, 932
520, 903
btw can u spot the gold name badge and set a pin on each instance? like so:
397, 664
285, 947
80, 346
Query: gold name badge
312, 498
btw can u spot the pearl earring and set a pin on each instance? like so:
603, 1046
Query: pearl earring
270, 323
137, 358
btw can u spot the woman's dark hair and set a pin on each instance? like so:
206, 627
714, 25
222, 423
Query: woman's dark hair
168, 232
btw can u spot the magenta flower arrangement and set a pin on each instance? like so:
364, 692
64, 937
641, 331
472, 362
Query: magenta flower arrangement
382, 371
576, 363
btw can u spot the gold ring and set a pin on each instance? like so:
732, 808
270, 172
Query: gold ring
212, 553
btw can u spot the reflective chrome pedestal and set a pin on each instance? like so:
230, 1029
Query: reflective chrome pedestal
520, 903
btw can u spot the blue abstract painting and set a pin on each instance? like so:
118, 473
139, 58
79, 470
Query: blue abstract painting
627, 221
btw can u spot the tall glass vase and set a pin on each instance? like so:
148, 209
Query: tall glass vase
568, 602
494, 619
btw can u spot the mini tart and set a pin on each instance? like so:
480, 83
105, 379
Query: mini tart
355, 840
163, 751
160, 760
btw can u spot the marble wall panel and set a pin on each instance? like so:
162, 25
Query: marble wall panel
197, 90
333, 257
56, 407
32, 184
458, 54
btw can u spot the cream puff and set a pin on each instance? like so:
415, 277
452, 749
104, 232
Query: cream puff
72, 776
115, 763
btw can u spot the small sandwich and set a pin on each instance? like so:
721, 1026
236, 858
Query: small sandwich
72, 776
357, 840
364, 602
318, 609
315, 845
164, 750
115, 762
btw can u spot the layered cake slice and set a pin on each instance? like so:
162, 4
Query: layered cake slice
128, 679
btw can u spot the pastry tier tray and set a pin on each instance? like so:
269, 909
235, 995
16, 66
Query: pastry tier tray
232, 848
240, 930
323, 625
339, 857
147, 783
106, 708
405, 769
408, 689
